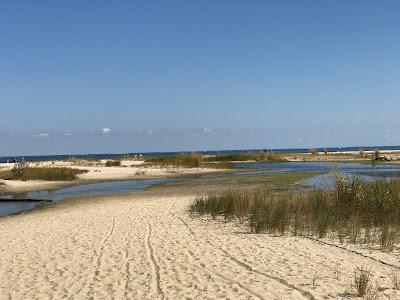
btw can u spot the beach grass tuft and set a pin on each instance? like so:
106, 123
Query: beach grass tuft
355, 211
362, 280
23, 172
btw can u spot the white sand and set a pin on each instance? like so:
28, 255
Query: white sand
128, 170
131, 247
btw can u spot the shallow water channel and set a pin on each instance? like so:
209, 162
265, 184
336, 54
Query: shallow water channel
323, 180
94, 189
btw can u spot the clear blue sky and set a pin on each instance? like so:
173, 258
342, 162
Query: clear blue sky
125, 76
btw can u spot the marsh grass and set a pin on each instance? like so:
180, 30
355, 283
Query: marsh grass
41, 173
268, 156
193, 160
355, 211
180, 160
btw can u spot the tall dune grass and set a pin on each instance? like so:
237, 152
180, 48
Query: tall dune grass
43, 173
356, 211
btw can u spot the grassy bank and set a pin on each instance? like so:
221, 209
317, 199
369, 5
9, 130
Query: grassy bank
193, 160
250, 156
197, 160
39, 173
356, 211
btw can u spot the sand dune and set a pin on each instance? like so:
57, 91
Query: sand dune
137, 247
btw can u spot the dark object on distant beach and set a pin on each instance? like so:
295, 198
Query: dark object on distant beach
24, 200
382, 158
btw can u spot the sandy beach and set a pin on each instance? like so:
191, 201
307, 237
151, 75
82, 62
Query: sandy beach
129, 170
146, 246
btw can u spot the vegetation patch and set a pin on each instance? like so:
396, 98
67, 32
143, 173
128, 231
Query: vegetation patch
87, 161
193, 160
355, 211
268, 156
113, 163
23, 172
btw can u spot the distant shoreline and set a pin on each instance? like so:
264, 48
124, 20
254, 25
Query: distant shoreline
339, 150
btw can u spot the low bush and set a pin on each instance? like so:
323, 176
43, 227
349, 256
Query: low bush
113, 163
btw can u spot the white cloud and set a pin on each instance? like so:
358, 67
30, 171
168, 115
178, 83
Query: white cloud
106, 130
40, 135
68, 134
207, 130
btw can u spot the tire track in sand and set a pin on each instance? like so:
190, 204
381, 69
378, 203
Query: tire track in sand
212, 272
225, 278
128, 274
154, 267
351, 251
304, 293
99, 258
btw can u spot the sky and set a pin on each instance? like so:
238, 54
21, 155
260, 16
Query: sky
138, 76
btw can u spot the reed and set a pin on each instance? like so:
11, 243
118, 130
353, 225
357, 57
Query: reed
355, 211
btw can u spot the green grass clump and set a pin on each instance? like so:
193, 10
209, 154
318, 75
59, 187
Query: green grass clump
113, 163
360, 212
46, 173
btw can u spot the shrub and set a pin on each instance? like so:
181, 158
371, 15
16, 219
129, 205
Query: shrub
377, 154
113, 163
19, 169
